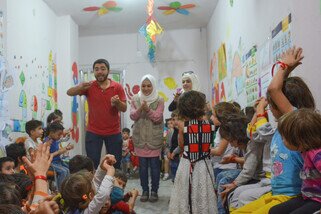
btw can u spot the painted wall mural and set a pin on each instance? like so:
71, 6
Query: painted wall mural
243, 75
75, 106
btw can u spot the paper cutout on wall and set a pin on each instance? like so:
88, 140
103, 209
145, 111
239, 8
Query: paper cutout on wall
16, 126
7, 130
34, 107
163, 95
250, 67
22, 78
75, 106
23, 99
216, 92
222, 95
49, 92
170, 83
222, 70
237, 73
281, 38
48, 105
74, 69
130, 93
176, 7
7, 81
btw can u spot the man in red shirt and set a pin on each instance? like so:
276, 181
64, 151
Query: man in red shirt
106, 99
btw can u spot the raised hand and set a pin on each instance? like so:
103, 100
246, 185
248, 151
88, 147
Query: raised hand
262, 104
42, 160
292, 58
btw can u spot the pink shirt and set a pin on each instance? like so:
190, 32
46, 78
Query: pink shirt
311, 175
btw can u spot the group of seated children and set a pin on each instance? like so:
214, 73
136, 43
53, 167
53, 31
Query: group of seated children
23, 178
280, 171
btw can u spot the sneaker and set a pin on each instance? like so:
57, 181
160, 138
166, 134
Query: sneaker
144, 197
166, 177
153, 197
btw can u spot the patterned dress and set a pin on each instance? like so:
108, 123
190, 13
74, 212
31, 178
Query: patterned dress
193, 190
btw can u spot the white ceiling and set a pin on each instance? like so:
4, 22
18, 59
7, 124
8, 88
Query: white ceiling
132, 17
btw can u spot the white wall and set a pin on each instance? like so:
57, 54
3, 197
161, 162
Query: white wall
253, 21
33, 31
67, 48
177, 51
31, 28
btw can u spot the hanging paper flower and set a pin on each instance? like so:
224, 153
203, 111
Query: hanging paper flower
105, 8
176, 7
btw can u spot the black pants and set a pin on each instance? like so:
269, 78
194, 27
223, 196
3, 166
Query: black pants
94, 144
296, 206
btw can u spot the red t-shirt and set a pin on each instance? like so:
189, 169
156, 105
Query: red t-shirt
104, 119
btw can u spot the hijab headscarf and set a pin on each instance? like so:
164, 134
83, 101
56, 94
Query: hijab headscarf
195, 81
154, 95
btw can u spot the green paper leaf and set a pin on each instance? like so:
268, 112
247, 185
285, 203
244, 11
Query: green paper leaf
22, 78
175, 4
115, 9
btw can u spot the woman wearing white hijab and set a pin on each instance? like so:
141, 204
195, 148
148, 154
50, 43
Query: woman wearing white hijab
190, 82
147, 109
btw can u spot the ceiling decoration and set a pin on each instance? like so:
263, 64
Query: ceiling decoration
176, 6
104, 9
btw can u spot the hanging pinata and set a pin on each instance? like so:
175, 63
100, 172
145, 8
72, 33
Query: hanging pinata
150, 29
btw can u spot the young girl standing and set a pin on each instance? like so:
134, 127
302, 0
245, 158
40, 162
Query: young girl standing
193, 190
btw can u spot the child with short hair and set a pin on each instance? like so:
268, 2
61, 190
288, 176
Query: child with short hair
193, 190
133, 157
168, 132
81, 196
81, 162
35, 131
174, 150
16, 151
125, 151
6, 165
300, 131
127, 202
55, 132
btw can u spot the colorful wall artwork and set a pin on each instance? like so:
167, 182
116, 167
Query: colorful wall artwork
131, 91
75, 106
222, 66
244, 76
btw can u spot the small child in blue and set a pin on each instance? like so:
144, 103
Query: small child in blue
55, 133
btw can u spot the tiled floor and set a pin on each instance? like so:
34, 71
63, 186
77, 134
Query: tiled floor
159, 207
